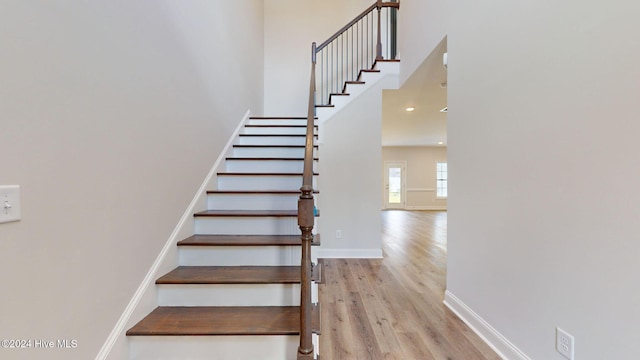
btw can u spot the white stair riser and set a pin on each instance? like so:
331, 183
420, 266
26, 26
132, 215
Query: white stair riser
260, 182
277, 121
252, 201
294, 166
271, 140
229, 295
275, 130
274, 347
296, 152
239, 256
247, 225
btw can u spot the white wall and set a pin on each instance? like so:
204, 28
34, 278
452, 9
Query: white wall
111, 114
422, 24
543, 162
421, 174
290, 26
350, 164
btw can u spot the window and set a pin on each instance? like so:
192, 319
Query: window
441, 180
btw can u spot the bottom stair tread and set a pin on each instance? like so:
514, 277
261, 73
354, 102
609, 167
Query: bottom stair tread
210, 320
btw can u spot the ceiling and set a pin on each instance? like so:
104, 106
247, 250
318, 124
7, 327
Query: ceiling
426, 125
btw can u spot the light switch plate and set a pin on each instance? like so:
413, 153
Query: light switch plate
9, 203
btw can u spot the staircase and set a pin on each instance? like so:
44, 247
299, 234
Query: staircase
236, 292
245, 287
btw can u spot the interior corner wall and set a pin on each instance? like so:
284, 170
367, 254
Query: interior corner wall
422, 24
421, 174
290, 26
350, 164
543, 164
112, 114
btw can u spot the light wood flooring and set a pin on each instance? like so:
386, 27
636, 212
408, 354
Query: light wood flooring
392, 308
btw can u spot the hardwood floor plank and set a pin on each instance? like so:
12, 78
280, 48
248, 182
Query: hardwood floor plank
392, 308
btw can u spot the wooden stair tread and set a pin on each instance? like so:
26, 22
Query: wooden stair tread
247, 213
259, 174
273, 146
213, 320
275, 135
245, 240
276, 126
232, 275
279, 117
267, 159
354, 82
277, 192
325, 106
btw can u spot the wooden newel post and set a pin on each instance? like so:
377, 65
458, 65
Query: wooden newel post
306, 222
379, 43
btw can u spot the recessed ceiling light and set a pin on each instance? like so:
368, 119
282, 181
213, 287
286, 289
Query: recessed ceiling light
410, 109
444, 109
440, 142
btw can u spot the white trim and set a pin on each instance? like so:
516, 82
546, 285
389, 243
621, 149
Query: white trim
501, 345
349, 253
146, 285
427, 207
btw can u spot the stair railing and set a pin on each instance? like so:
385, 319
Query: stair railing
306, 218
356, 46
369, 37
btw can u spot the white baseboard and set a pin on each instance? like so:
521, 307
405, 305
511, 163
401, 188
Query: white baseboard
348, 253
501, 345
181, 228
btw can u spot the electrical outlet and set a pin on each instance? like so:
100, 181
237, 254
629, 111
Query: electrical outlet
338, 234
564, 343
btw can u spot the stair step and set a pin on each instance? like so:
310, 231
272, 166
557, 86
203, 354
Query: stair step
266, 164
213, 320
279, 118
252, 213
272, 146
247, 222
245, 240
289, 151
232, 275
367, 71
278, 121
276, 129
344, 88
260, 181
227, 173
230, 286
277, 126
253, 200
272, 139
257, 192
267, 158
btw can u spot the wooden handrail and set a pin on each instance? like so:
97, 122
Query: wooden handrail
305, 222
377, 4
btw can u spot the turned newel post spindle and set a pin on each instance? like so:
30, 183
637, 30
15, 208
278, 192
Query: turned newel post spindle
305, 221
